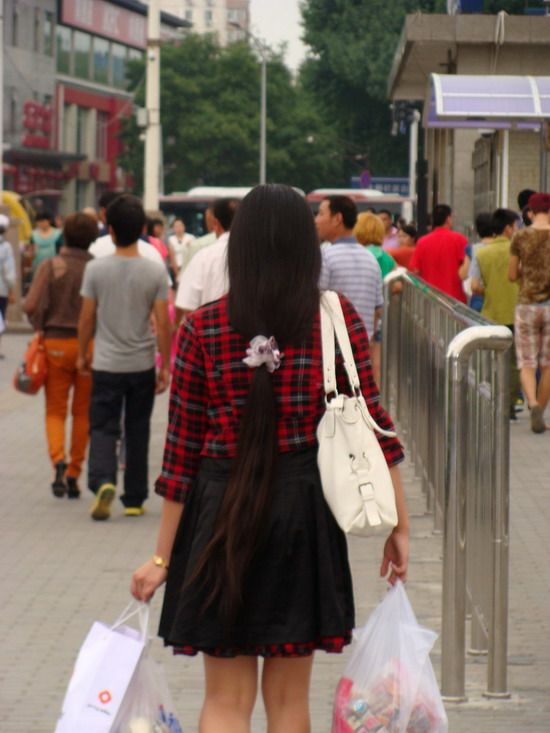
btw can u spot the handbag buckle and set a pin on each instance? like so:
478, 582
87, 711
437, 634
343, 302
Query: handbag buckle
371, 509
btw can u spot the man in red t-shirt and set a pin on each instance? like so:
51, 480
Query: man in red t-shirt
439, 254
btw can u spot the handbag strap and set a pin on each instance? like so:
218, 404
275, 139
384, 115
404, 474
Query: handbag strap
333, 324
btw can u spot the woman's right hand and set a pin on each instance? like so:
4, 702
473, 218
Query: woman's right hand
146, 580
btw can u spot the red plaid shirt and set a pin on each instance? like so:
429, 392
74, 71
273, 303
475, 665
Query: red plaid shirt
210, 386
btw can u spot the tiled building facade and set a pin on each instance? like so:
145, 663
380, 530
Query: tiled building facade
66, 94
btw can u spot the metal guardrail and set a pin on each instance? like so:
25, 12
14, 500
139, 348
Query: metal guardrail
445, 375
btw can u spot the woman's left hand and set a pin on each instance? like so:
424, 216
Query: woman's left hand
396, 556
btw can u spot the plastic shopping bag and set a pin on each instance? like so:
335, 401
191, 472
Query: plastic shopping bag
147, 706
103, 671
389, 685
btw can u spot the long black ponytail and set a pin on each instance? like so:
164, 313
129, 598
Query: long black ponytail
274, 262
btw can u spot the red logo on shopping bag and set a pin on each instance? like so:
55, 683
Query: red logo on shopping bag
105, 697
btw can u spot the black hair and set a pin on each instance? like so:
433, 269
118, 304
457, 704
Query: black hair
274, 262
523, 197
152, 223
107, 198
386, 211
501, 219
440, 214
224, 211
525, 215
410, 230
44, 214
484, 224
79, 231
345, 206
127, 218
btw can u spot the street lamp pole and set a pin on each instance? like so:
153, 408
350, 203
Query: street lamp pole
1, 96
152, 104
263, 121
263, 98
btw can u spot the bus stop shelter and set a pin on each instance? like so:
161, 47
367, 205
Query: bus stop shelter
464, 148
493, 102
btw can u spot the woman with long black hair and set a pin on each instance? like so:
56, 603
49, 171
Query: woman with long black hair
256, 566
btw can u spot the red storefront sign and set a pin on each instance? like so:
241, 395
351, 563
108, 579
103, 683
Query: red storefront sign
105, 19
37, 123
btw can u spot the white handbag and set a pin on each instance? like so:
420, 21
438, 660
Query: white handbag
355, 477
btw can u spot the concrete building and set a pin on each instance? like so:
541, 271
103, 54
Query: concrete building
213, 16
465, 163
65, 92
31, 160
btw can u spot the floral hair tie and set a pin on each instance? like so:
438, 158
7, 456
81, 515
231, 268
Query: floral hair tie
263, 350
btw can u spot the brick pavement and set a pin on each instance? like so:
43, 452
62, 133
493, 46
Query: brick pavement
61, 571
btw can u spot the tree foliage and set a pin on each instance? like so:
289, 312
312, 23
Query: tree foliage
352, 44
322, 128
210, 115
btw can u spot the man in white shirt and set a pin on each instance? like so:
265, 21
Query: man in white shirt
104, 246
205, 277
179, 244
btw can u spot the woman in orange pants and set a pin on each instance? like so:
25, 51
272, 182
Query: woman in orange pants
53, 305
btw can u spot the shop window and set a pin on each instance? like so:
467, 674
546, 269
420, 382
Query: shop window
82, 115
82, 49
14, 25
102, 130
135, 55
14, 120
81, 194
48, 33
67, 140
101, 61
63, 36
118, 60
37, 29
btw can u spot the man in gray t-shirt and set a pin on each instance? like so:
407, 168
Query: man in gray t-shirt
125, 289
120, 294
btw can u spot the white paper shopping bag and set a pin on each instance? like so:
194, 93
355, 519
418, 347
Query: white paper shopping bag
104, 668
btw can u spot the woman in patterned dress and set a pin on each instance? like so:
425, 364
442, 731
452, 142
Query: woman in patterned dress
255, 564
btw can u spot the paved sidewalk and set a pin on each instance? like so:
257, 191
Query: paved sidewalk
61, 571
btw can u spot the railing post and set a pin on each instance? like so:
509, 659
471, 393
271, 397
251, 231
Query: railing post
498, 338
396, 276
497, 673
453, 631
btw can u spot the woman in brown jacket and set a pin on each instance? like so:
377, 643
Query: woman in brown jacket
53, 307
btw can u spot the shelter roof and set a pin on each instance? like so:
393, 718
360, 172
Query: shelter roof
432, 43
493, 101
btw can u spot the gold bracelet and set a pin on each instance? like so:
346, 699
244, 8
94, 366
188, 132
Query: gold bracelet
160, 562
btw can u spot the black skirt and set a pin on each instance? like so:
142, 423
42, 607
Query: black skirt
298, 592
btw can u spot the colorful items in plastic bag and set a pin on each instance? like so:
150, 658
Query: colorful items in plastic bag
378, 711
389, 685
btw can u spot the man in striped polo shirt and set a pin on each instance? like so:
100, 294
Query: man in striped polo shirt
348, 267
